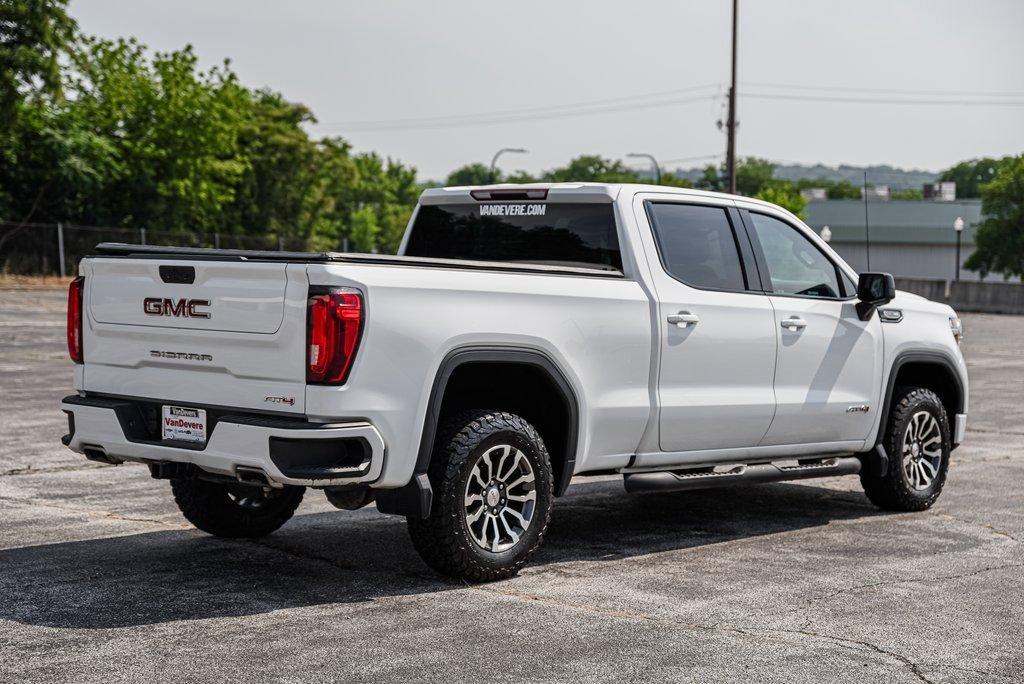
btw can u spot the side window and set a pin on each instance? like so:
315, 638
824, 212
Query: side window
795, 265
697, 245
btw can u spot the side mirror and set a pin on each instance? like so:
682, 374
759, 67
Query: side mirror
874, 290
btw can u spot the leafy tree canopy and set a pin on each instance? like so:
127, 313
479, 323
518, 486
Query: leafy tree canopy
107, 133
1000, 237
970, 175
786, 196
34, 35
473, 174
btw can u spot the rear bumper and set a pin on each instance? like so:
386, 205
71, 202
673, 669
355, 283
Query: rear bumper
288, 450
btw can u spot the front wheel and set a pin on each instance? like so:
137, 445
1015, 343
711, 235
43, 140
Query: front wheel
492, 482
918, 444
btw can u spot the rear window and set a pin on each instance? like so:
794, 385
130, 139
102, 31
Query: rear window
559, 234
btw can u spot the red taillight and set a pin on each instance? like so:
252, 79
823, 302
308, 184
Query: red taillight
335, 320
75, 290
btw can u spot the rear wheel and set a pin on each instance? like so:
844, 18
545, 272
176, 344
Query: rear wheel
918, 444
492, 482
235, 510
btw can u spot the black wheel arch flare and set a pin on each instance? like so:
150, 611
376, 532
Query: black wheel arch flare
509, 355
918, 356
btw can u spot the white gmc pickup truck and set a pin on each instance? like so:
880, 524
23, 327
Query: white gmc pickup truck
522, 335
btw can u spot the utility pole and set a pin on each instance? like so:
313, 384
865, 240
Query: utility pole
730, 151
867, 225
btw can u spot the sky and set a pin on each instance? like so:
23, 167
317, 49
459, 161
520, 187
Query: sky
444, 83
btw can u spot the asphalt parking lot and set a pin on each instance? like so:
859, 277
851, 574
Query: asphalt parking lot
102, 580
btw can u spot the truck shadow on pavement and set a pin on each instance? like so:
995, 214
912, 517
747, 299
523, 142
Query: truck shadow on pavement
324, 558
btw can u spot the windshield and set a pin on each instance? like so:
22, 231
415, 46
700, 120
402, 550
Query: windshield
562, 234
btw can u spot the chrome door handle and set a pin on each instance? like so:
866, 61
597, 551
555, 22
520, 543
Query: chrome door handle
794, 323
683, 319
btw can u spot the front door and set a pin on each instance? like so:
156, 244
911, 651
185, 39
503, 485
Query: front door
828, 368
717, 334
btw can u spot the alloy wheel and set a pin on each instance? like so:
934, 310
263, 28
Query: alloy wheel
922, 450
500, 498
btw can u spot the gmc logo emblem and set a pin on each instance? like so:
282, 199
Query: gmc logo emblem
180, 308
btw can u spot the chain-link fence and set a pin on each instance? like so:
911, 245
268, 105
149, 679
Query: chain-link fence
55, 249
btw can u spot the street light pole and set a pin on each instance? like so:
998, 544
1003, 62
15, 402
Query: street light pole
730, 150
654, 162
494, 160
958, 226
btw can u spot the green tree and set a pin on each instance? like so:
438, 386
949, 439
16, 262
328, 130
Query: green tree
389, 189
673, 181
364, 230
592, 168
752, 175
582, 169
393, 219
173, 130
970, 175
907, 194
34, 36
473, 174
521, 177
842, 189
107, 133
712, 179
291, 182
1000, 236
786, 196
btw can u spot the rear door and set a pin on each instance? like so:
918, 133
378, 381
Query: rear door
829, 361
717, 331
221, 333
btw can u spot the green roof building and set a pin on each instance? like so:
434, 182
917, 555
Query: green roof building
912, 239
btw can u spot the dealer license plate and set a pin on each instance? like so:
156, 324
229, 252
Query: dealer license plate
183, 424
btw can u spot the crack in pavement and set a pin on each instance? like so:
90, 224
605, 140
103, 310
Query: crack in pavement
29, 470
888, 583
910, 664
975, 523
991, 431
91, 512
749, 631
297, 553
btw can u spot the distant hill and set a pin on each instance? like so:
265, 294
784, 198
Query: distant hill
881, 174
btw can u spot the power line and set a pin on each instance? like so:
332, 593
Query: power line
893, 91
680, 160
660, 99
419, 125
548, 109
880, 100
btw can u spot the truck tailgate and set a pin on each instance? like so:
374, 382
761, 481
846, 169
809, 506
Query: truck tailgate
219, 333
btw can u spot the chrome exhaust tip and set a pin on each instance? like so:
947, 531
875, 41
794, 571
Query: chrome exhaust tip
252, 475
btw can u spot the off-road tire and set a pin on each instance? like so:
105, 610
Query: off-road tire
214, 507
444, 539
893, 490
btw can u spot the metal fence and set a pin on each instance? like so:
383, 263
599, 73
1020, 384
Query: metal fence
55, 249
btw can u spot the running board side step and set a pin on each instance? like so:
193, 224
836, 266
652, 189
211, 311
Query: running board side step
707, 478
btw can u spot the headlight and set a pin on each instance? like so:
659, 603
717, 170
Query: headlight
956, 326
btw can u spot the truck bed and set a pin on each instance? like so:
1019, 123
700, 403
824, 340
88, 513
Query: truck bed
119, 249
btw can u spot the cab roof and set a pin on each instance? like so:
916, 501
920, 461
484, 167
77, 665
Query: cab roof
564, 192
